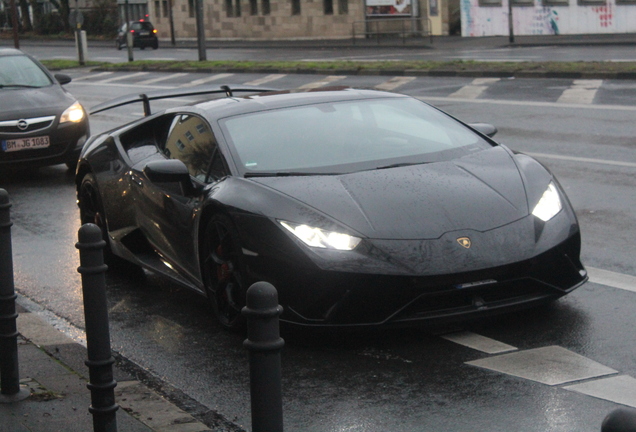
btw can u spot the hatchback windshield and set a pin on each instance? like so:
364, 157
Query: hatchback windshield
20, 71
350, 136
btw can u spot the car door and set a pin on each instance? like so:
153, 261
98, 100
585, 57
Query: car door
167, 212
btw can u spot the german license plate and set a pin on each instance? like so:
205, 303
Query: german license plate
25, 143
144, 33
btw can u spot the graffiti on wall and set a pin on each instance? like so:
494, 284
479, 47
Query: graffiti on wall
547, 20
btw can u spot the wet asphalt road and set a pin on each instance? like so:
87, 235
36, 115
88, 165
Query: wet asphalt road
412, 380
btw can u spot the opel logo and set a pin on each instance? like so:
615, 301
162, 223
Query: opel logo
23, 124
465, 242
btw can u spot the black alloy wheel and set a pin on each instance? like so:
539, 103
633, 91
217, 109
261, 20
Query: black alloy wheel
224, 272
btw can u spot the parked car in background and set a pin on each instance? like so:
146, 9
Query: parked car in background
143, 32
40, 122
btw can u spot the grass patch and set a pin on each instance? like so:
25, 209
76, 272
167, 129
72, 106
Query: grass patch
68, 64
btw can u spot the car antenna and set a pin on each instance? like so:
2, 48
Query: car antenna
228, 91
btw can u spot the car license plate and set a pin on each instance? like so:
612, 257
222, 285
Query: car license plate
144, 33
25, 143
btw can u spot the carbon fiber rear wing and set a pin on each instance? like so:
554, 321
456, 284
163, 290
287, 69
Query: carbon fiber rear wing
145, 98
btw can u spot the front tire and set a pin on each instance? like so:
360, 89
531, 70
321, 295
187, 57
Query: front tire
224, 272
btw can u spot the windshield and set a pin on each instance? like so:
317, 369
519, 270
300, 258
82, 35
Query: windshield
334, 138
21, 71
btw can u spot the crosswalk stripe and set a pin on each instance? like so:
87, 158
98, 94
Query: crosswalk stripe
581, 92
91, 76
478, 342
321, 83
474, 89
394, 83
612, 279
268, 78
122, 77
162, 78
207, 79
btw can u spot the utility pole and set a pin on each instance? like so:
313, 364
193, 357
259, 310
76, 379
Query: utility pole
200, 30
511, 36
129, 37
14, 23
171, 19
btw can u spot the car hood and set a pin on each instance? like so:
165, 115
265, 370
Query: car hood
28, 103
479, 192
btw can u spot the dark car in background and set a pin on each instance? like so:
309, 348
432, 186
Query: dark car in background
40, 122
361, 207
143, 33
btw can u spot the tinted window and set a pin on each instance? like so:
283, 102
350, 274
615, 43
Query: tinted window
21, 71
191, 141
348, 136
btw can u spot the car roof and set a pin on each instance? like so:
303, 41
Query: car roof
11, 52
227, 107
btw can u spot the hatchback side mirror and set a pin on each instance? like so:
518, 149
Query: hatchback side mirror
485, 128
63, 78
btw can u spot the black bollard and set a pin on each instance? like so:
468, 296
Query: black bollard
100, 361
9, 367
620, 420
264, 345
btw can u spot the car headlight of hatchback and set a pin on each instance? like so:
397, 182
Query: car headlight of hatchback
74, 113
549, 204
320, 238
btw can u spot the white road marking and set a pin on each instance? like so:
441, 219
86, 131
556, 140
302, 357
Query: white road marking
162, 78
474, 89
321, 83
207, 79
551, 365
394, 83
581, 159
529, 103
478, 342
123, 77
266, 79
619, 389
581, 92
91, 76
615, 280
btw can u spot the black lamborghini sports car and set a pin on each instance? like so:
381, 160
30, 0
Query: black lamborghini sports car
361, 207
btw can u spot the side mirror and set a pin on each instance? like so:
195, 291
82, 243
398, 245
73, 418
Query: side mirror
485, 128
63, 78
170, 172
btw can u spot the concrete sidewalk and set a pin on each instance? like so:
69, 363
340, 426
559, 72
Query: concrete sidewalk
52, 369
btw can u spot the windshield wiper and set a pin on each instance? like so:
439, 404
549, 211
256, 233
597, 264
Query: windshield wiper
403, 164
17, 86
285, 174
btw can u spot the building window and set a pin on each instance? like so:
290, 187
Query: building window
343, 7
489, 2
191, 7
555, 2
522, 2
164, 8
265, 7
592, 2
157, 9
295, 7
237, 8
253, 7
328, 6
229, 9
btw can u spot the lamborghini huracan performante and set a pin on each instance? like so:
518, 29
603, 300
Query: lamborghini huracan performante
361, 207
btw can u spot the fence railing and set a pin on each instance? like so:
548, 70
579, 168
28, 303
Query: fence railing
382, 28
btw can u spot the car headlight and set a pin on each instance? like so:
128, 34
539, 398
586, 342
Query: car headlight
320, 238
549, 204
74, 113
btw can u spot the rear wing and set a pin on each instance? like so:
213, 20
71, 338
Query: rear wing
145, 98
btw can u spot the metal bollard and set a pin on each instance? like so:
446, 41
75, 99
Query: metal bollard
264, 345
100, 361
620, 420
9, 367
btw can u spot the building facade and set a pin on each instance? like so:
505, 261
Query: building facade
547, 17
297, 19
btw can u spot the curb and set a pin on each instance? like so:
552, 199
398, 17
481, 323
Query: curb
154, 403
